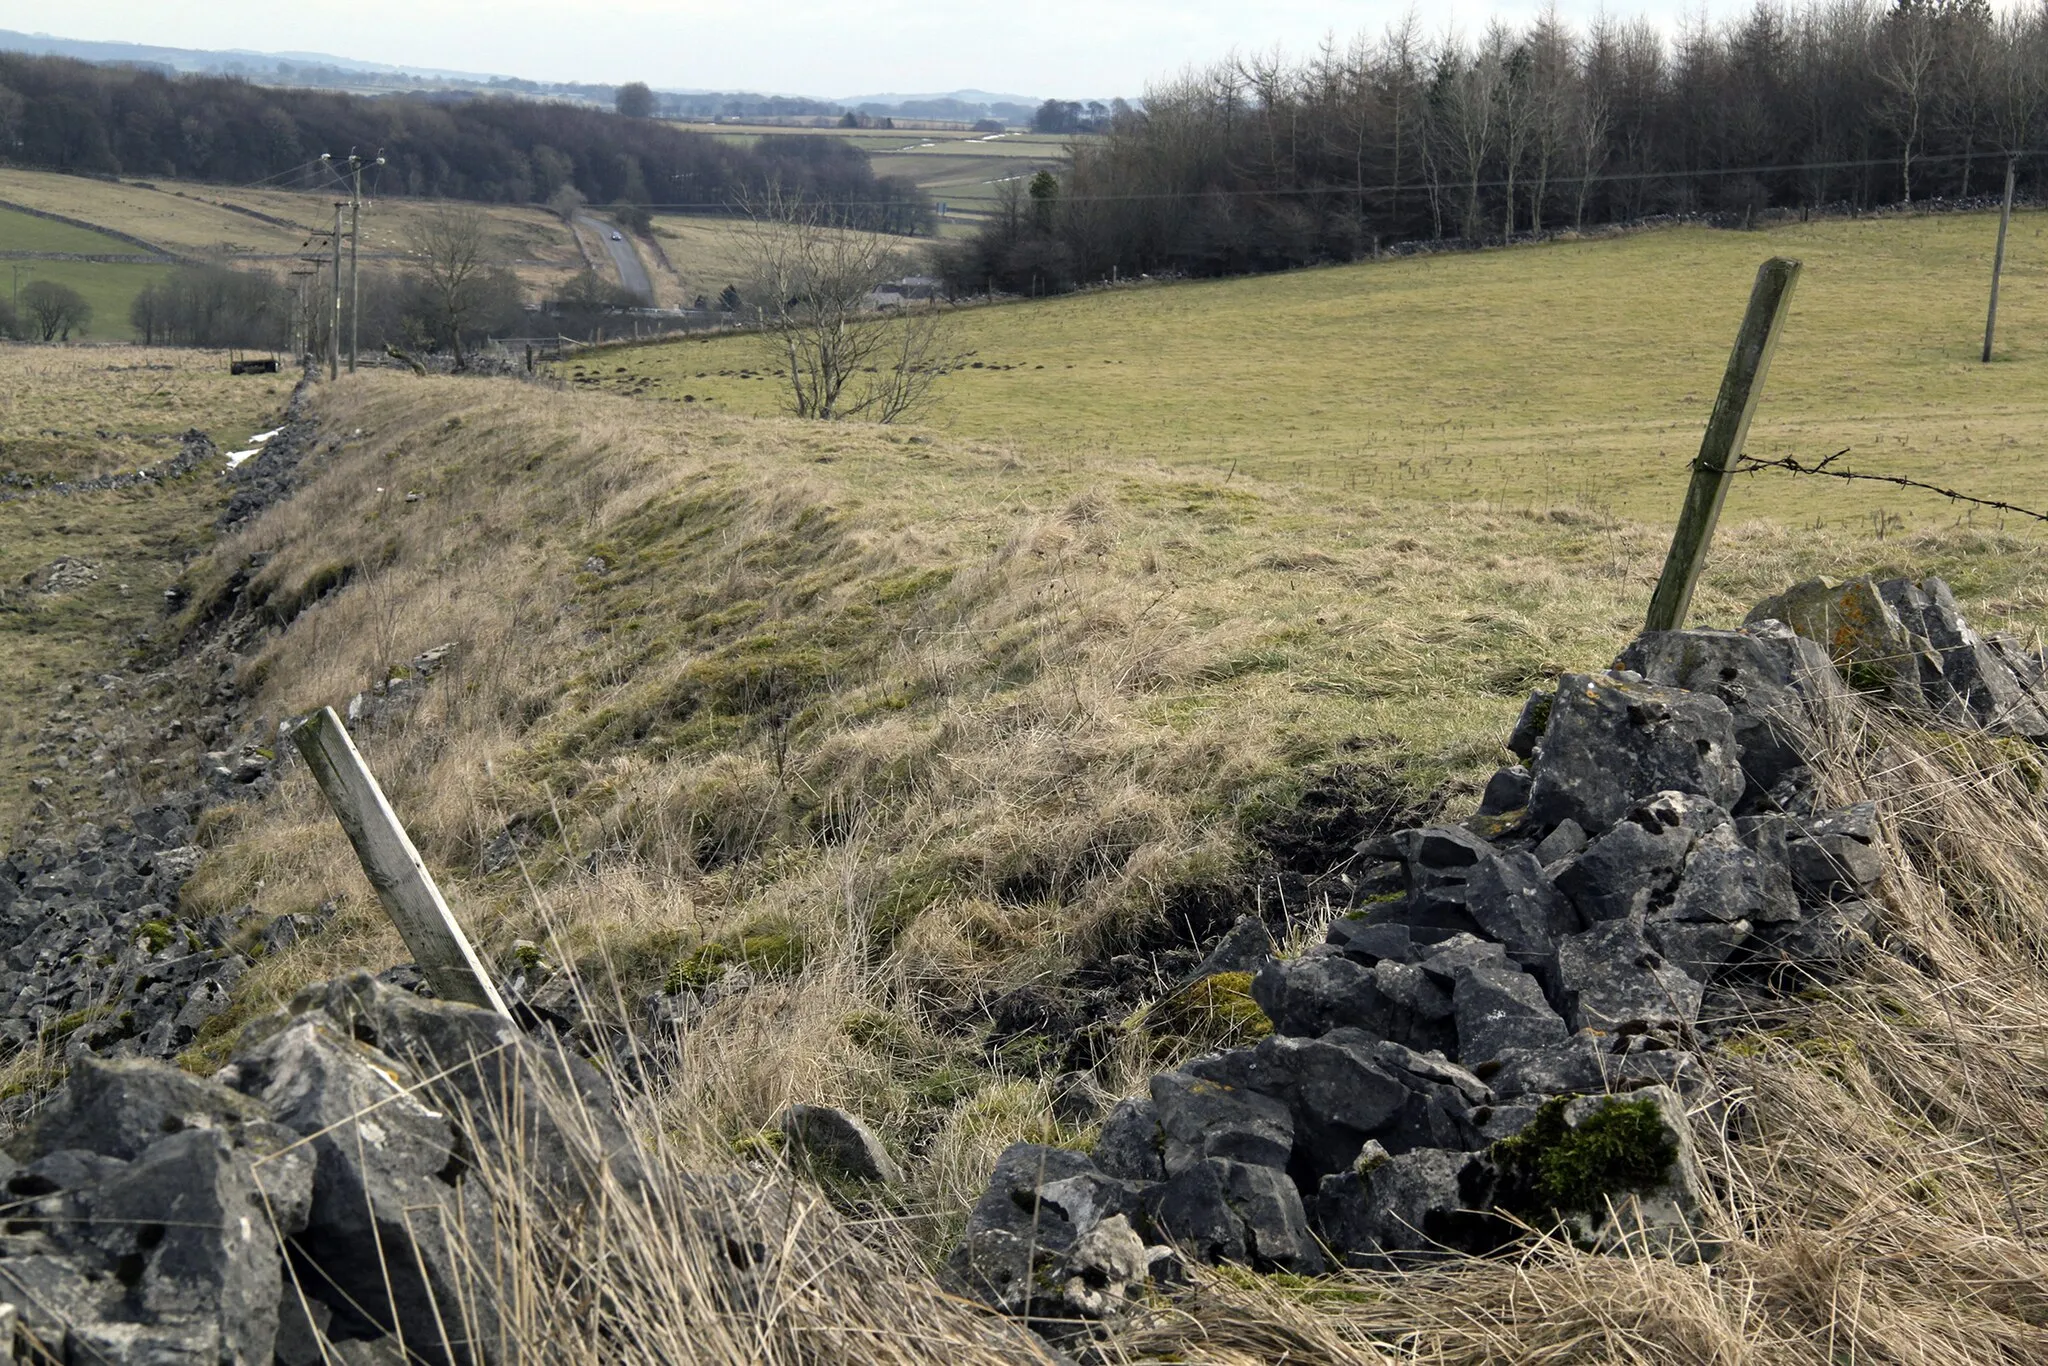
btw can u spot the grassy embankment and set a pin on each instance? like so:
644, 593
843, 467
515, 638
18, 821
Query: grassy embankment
1576, 373
72, 413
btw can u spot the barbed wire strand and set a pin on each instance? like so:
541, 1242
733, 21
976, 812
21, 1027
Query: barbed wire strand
1749, 464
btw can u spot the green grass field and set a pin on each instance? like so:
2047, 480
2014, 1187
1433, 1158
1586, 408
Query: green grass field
1578, 372
959, 169
26, 232
109, 287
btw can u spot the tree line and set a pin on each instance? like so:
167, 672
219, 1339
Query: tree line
1262, 164
72, 116
449, 300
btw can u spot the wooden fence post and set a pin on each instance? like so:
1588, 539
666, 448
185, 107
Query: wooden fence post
1998, 261
393, 865
1714, 469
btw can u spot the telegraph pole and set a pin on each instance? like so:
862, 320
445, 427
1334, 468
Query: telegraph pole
334, 333
355, 233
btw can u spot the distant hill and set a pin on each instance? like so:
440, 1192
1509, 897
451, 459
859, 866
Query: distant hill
231, 61
325, 71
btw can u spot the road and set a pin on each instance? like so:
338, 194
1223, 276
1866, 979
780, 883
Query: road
632, 273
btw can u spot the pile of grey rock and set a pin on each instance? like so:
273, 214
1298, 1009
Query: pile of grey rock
94, 957
314, 1201
1504, 1027
272, 474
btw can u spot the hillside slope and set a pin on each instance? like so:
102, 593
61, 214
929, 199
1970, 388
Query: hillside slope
904, 768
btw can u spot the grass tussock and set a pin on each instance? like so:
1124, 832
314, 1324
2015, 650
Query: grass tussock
887, 731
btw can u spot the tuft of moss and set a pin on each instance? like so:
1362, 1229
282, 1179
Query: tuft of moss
156, 935
772, 953
67, 1025
1622, 1146
1216, 1011
762, 1146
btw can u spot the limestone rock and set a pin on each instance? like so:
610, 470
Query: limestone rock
1337, 1090
1507, 791
1502, 1008
1619, 983
1131, 1144
1836, 854
1202, 1119
1611, 742
1316, 993
1422, 1205
838, 1141
1776, 683
1225, 1211
1241, 949
1053, 1237
1624, 869
1858, 629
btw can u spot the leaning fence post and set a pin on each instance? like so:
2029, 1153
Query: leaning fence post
1722, 447
393, 865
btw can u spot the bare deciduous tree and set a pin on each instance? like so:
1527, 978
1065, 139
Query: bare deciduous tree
2018, 81
842, 354
449, 248
1906, 55
52, 310
1466, 105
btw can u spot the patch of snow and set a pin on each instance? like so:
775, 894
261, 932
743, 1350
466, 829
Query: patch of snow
262, 437
237, 457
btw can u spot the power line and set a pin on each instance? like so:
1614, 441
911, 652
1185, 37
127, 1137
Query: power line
1613, 177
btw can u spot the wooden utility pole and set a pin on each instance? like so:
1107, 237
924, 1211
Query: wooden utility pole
392, 864
304, 280
1712, 471
334, 334
1998, 260
355, 237
355, 289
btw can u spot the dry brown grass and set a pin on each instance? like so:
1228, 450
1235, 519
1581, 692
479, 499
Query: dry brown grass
951, 717
72, 412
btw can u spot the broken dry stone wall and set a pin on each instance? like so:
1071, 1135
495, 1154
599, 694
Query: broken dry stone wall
94, 958
195, 451
272, 474
1503, 1029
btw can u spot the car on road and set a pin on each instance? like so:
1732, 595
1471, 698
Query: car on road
616, 237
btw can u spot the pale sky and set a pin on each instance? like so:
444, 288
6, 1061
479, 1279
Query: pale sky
1065, 48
